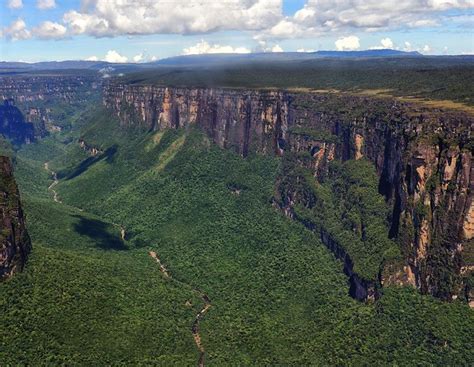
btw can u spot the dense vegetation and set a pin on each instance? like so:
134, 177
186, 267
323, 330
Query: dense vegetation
347, 206
431, 78
278, 295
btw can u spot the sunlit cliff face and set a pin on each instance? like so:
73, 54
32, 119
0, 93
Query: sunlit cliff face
406, 160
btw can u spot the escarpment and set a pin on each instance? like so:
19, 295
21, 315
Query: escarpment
43, 103
14, 240
235, 119
422, 158
29, 89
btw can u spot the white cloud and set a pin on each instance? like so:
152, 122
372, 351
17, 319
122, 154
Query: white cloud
117, 17
138, 58
45, 4
305, 50
15, 4
276, 48
265, 47
114, 57
348, 43
16, 31
319, 17
205, 48
92, 58
407, 47
50, 30
448, 4
426, 49
286, 29
386, 43
420, 23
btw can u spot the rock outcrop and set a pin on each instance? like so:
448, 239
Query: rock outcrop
14, 241
91, 150
423, 157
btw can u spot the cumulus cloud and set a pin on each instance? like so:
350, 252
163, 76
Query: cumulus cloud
117, 17
204, 47
15, 4
387, 43
264, 46
286, 29
45, 4
424, 49
114, 57
138, 58
384, 44
319, 17
348, 43
276, 48
305, 50
50, 30
143, 57
16, 31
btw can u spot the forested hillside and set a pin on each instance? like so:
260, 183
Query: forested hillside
277, 295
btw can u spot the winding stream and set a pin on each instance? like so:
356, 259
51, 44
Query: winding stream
164, 271
53, 184
199, 316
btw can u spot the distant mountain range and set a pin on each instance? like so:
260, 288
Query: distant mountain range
54, 65
217, 59
283, 56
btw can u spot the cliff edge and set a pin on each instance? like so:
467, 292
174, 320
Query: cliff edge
15, 243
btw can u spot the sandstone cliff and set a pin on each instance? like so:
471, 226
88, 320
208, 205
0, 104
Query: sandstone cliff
423, 157
14, 241
28, 89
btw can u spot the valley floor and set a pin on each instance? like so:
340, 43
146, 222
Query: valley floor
134, 242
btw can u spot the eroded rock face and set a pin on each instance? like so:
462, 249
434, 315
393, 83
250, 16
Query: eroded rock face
29, 89
423, 156
240, 120
14, 240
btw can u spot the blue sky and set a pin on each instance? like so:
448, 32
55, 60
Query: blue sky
142, 30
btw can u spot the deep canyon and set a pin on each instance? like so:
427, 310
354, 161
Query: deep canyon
423, 157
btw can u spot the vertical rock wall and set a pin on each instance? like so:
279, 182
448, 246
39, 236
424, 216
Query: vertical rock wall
14, 241
423, 156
